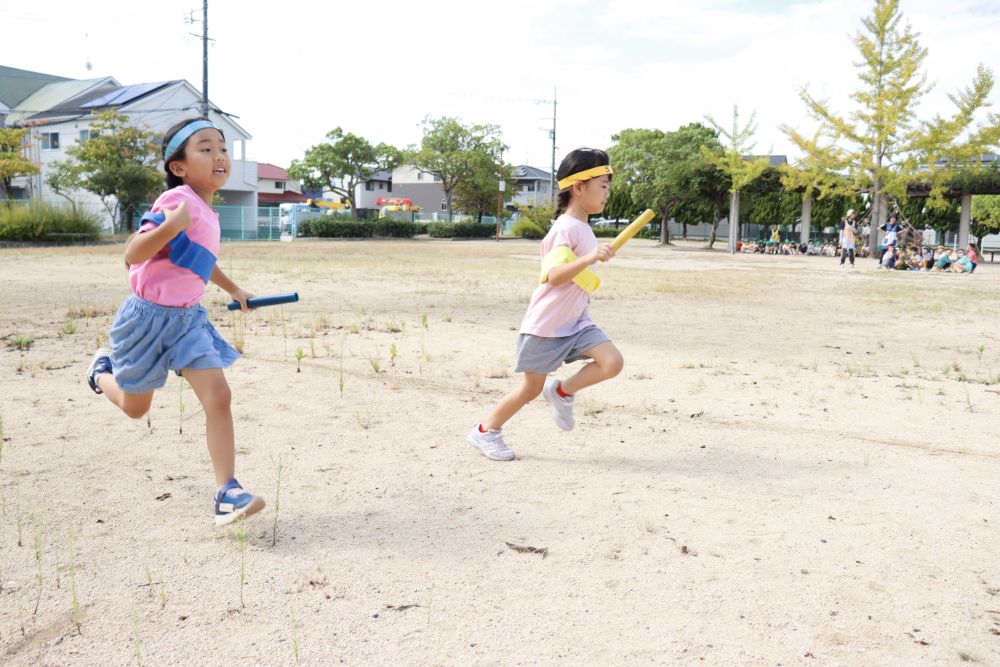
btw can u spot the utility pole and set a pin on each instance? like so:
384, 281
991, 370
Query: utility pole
500, 189
552, 173
203, 107
204, 60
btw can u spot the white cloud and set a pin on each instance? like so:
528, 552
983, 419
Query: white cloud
295, 70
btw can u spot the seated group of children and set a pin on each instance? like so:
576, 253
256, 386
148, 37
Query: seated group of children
922, 258
815, 248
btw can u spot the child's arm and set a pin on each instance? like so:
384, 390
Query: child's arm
560, 275
145, 245
223, 281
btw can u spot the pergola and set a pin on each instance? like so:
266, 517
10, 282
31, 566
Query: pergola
985, 182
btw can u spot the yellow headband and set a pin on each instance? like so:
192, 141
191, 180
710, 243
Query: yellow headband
581, 176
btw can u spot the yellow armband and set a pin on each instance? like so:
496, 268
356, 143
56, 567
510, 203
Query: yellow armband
586, 280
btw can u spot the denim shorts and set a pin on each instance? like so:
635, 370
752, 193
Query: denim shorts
149, 340
543, 355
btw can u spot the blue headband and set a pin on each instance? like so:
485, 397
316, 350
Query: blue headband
185, 133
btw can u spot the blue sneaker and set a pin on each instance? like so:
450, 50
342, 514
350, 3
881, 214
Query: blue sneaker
101, 363
232, 503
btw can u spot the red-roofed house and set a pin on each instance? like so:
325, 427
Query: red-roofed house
275, 186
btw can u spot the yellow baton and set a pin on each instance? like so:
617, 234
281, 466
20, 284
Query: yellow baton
626, 234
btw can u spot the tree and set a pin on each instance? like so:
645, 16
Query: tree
736, 163
880, 147
453, 152
478, 193
118, 163
661, 170
769, 203
985, 215
343, 163
13, 162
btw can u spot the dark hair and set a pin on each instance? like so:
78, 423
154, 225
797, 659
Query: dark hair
175, 181
576, 161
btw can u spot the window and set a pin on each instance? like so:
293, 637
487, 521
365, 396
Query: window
279, 185
436, 178
389, 186
444, 205
420, 175
87, 134
531, 186
369, 186
381, 186
50, 141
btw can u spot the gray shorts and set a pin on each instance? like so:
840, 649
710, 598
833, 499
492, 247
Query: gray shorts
542, 355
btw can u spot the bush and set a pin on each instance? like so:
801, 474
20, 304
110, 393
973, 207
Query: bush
528, 229
37, 220
540, 215
305, 229
359, 229
464, 230
611, 232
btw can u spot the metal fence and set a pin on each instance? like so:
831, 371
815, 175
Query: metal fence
241, 223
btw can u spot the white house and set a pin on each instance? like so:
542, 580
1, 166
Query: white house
275, 186
59, 112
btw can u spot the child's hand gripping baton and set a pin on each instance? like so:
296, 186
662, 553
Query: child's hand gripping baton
258, 301
626, 234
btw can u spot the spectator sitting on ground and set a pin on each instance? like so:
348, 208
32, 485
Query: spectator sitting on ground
973, 254
889, 257
902, 259
926, 258
945, 261
862, 251
962, 264
915, 261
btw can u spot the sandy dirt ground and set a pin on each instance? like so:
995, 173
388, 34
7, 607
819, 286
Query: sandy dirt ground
799, 465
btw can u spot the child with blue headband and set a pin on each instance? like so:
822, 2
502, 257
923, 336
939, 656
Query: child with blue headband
162, 326
557, 328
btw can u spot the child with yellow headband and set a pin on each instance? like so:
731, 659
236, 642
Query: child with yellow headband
557, 328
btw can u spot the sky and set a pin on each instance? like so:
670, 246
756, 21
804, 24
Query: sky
292, 71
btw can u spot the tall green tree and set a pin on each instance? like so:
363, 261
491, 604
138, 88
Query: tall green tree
455, 152
13, 161
985, 215
478, 193
736, 163
118, 163
881, 146
343, 163
661, 170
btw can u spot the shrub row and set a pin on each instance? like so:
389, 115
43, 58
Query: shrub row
528, 229
37, 220
611, 232
464, 230
360, 229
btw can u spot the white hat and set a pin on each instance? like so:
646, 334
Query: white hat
850, 212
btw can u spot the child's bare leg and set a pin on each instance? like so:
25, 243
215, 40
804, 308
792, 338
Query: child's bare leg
213, 392
134, 405
508, 406
607, 363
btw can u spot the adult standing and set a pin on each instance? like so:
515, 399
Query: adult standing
891, 229
848, 236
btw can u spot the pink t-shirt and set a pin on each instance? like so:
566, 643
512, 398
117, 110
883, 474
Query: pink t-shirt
158, 279
562, 310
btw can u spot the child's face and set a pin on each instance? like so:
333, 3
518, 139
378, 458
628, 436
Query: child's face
593, 194
206, 162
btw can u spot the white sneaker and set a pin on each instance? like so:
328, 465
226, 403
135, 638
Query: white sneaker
561, 408
491, 444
